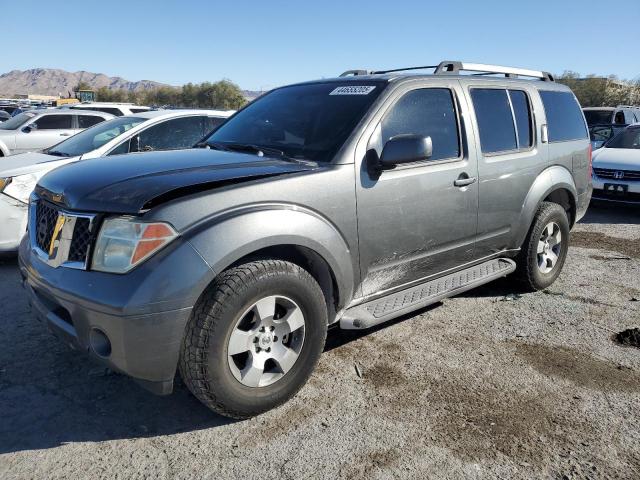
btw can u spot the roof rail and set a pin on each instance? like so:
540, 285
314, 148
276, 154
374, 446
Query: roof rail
455, 67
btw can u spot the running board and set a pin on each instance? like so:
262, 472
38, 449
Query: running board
377, 311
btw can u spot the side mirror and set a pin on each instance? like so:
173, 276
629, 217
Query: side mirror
27, 129
134, 144
405, 149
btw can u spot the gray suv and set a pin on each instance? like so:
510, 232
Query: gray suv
346, 201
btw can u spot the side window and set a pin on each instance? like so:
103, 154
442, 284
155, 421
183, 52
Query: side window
172, 134
210, 123
112, 111
427, 112
86, 121
564, 118
495, 120
522, 114
619, 118
120, 149
53, 122
628, 115
138, 110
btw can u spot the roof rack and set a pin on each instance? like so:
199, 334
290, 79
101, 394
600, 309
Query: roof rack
455, 67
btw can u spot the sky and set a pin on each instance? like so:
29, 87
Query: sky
260, 45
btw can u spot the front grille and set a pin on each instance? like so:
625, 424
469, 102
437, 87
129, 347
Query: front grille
46, 217
81, 240
72, 244
627, 175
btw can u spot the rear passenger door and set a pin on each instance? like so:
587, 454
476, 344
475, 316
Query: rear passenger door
510, 157
413, 221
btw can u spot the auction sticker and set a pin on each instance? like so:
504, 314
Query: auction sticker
353, 90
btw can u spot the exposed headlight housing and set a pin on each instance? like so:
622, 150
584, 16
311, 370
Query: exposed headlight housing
124, 242
20, 186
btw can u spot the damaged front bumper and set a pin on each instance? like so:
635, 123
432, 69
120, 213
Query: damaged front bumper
13, 218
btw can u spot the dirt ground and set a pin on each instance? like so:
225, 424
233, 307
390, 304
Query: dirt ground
487, 384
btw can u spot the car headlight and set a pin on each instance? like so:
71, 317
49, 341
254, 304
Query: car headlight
124, 242
19, 187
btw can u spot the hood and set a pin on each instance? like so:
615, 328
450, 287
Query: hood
131, 183
617, 158
32, 162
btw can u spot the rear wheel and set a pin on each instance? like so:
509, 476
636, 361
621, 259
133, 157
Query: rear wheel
544, 251
254, 338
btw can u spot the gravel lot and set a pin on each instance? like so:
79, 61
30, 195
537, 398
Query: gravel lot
487, 384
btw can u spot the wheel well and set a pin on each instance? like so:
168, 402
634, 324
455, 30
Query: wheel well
308, 259
564, 198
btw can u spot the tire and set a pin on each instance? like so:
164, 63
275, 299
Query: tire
536, 270
232, 312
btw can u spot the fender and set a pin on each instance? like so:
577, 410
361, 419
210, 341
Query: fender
223, 240
550, 179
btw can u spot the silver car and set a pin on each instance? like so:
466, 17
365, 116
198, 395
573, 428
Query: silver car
38, 129
147, 131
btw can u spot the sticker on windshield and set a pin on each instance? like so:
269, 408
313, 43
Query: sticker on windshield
354, 90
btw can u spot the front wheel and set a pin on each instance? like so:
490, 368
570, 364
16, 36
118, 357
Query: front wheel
254, 338
545, 249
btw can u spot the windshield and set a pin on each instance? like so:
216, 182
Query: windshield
595, 117
309, 122
17, 121
630, 138
94, 137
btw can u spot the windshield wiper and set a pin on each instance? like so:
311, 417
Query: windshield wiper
56, 153
212, 145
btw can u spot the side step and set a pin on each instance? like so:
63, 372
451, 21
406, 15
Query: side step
386, 308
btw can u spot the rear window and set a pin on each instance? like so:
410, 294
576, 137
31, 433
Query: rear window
86, 121
598, 117
564, 117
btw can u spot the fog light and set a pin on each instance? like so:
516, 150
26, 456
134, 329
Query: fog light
100, 343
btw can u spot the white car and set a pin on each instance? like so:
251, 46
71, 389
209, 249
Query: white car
37, 129
148, 131
117, 109
616, 168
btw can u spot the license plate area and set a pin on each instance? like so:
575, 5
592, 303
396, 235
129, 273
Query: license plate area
616, 188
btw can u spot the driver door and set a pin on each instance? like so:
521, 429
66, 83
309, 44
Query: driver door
44, 132
413, 221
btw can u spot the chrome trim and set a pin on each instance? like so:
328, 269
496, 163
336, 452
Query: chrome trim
61, 241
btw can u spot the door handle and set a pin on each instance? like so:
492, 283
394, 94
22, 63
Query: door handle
65, 134
463, 180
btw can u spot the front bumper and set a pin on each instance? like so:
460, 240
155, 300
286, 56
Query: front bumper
632, 194
13, 219
142, 315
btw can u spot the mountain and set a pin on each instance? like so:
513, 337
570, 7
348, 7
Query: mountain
52, 81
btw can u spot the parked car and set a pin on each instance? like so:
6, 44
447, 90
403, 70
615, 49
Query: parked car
616, 168
346, 201
620, 115
9, 108
38, 129
143, 132
600, 134
117, 109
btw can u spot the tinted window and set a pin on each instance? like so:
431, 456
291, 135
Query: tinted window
630, 138
522, 113
619, 118
564, 119
172, 134
495, 121
86, 121
598, 117
426, 112
138, 110
53, 122
309, 121
95, 137
120, 149
212, 122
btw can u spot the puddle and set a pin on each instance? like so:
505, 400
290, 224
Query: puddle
628, 338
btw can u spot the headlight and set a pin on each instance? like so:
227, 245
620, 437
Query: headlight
21, 186
124, 242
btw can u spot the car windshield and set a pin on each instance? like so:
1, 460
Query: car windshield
630, 138
309, 122
595, 117
94, 137
17, 121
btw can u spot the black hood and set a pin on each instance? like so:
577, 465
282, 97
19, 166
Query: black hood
131, 183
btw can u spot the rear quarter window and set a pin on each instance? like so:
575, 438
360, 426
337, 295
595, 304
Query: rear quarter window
564, 117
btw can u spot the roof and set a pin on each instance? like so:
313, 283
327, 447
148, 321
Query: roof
56, 111
610, 109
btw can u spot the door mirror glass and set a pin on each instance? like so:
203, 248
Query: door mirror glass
405, 149
27, 129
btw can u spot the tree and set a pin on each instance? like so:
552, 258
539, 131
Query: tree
81, 86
